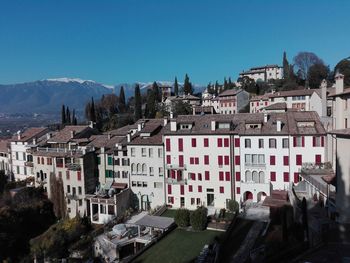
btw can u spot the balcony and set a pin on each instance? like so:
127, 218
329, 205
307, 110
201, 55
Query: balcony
175, 181
73, 166
29, 164
175, 167
255, 165
255, 187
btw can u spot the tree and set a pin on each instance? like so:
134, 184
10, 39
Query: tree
92, 112
3, 181
122, 103
182, 217
233, 206
286, 67
187, 85
198, 219
176, 87
316, 74
225, 84
68, 119
63, 115
343, 67
303, 61
138, 103
182, 108
156, 93
151, 107
57, 196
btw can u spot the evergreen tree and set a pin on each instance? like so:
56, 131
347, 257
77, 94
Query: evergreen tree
92, 111
286, 69
216, 88
225, 84
68, 119
187, 86
73, 117
138, 103
176, 87
156, 93
151, 104
230, 84
63, 115
122, 104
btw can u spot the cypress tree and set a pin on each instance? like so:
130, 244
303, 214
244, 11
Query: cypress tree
151, 104
176, 87
68, 119
285, 64
122, 104
73, 117
225, 84
63, 115
92, 111
156, 93
187, 85
138, 103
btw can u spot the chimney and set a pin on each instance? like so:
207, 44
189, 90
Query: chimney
171, 115
91, 124
128, 137
165, 121
173, 125
324, 97
139, 127
102, 149
19, 135
279, 125
339, 83
213, 125
34, 141
48, 135
72, 133
109, 136
193, 110
266, 117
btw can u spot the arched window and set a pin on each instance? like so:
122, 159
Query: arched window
255, 177
261, 177
144, 168
133, 168
138, 168
248, 176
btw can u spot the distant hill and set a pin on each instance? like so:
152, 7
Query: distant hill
47, 96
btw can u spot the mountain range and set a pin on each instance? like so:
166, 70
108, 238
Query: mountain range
47, 96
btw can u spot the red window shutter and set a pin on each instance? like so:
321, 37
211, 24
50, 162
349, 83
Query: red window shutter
178, 175
237, 144
38, 159
169, 189
285, 160
220, 160
172, 199
273, 176
199, 176
181, 160
227, 176
42, 160
286, 177
79, 175
219, 142
227, 160
238, 190
317, 158
322, 141
190, 188
221, 189
207, 176
295, 141
238, 176
193, 176
206, 159
303, 141
226, 142
299, 159
221, 176
181, 145
296, 177
67, 175
173, 174
167, 145
199, 188
191, 160
272, 160
313, 141
206, 142
237, 160
182, 189
194, 142
257, 103
168, 159
197, 160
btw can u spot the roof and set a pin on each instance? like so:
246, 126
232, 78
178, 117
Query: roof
276, 106
230, 92
30, 134
346, 91
151, 127
341, 132
78, 131
160, 222
4, 145
266, 96
107, 141
290, 93
183, 97
239, 122
123, 131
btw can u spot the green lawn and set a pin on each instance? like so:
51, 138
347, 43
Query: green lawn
169, 213
179, 246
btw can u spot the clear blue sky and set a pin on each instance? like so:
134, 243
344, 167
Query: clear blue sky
125, 41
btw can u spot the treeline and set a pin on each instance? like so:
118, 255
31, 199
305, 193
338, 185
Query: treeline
217, 88
66, 117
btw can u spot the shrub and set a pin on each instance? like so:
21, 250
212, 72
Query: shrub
233, 206
182, 217
198, 218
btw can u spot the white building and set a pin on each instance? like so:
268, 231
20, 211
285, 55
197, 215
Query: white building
263, 73
21, 159
5, 157
232, 101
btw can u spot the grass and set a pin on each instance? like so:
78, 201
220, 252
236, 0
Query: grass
179, 246
169, 213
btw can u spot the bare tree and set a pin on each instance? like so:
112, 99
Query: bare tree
303, 61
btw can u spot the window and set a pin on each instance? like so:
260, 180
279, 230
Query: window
198, 201
261, 177
49, 161
238, 190
296, 178
110, 160
219, 142
206, 159
144, 168
272, 160
298, 141
221, 176
192, 201
68, 188
206, 142
143, 152
261, 143
220, 160
221, 189
199, 188
167, 145
255, 176
79, 190
160, 153
67, 175
317, 141
181, 144
237, 144
79, 175
248, 176
199, 176
207, 175
18, 158
247, 143
160, 171
168, 159
298, 159
227, 176
190, 188
181, 160
237, 160
151, 171
226, 142
150, 152
272, 143
286, 177
285, 143
169, 189
317, 158
238, 176
285, 160
133, 151
273, 176
227, 159
194, 142
248, 158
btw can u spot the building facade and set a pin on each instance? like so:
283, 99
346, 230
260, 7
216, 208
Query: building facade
263, 73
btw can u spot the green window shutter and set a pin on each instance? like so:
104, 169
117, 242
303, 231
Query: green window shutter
98, 160
110, 160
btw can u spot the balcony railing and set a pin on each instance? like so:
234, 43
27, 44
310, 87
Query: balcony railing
73, 166
29, 164
255, 165
175, 167
65, 150
175, 181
